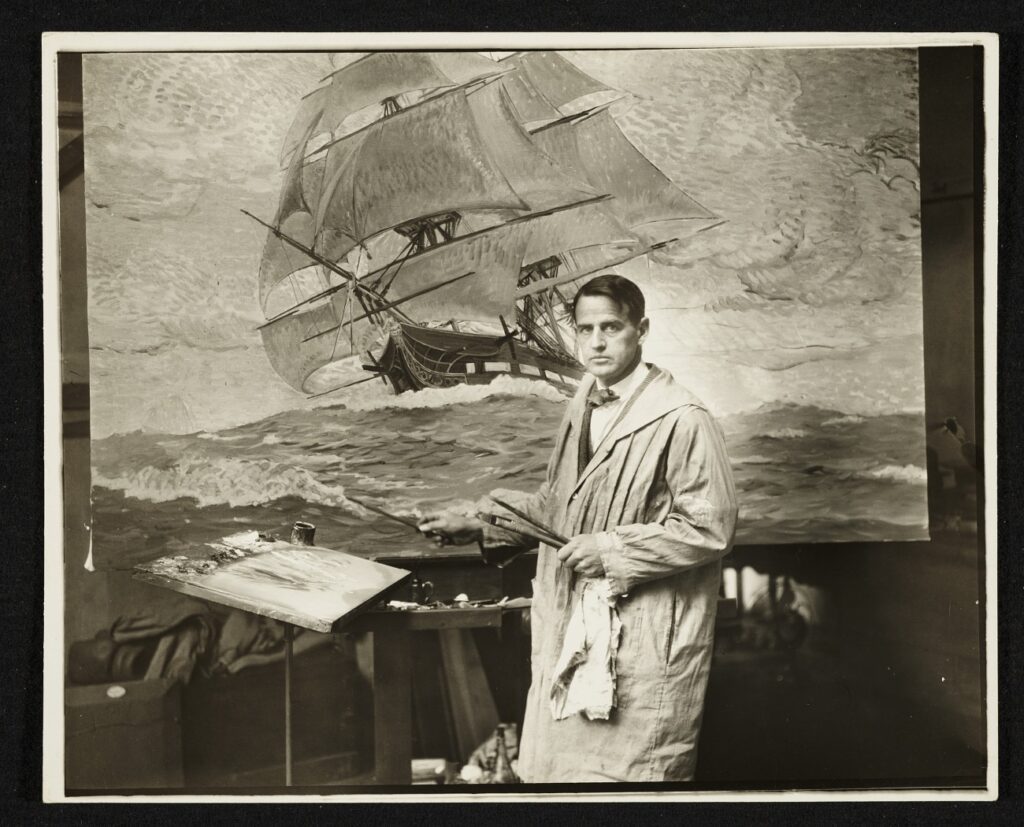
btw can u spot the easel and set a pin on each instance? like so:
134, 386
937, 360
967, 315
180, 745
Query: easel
287, 610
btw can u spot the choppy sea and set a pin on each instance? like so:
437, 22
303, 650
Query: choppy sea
803, 474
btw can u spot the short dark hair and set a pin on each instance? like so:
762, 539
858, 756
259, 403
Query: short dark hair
617, 288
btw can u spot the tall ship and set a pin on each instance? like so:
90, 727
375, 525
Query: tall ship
437, 213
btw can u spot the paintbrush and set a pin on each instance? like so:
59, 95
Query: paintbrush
440, 539
543, 529
516, 527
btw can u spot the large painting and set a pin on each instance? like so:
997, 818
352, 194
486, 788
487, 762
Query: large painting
315, 276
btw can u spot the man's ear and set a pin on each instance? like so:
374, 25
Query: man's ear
644, 327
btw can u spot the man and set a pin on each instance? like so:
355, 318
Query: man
644, 491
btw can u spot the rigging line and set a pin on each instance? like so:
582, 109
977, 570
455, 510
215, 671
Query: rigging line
393, 304
378, 273
357, 286
350, 306
540, 287
401, 258
341, 387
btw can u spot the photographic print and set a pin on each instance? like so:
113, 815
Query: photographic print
595, 411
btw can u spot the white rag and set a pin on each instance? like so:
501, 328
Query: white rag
585, 673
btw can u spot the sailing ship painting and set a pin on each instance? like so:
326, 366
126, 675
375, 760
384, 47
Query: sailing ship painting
485, 194
316, 276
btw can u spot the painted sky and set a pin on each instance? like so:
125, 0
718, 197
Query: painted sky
810, 292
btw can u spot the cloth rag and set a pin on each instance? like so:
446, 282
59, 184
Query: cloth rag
584, 679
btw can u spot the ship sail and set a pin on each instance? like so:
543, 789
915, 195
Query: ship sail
478, 218
387, 75
591, 225
376, 77
593, 146
530, 172
307, 122
544, 81
300, 197
459, 151
302, 342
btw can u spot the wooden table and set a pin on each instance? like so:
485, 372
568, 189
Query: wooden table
392, 633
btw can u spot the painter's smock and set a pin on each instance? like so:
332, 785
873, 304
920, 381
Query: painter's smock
658, 494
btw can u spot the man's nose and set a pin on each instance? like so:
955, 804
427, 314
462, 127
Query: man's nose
597, 340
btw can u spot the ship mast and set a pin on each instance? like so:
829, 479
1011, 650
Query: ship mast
487, 172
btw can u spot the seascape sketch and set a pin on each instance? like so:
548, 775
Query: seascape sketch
312, 274
305, 585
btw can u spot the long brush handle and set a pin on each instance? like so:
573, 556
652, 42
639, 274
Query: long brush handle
560, 540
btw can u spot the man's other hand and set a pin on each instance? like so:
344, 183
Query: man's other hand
456, 528
582, 554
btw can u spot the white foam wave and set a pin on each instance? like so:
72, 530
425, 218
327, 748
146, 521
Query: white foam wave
270, 439
848, 419
219, 437
754, 459
785, 433
232, 482
913, 474
460, 394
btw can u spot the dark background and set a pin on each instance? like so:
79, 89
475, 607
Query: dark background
22, 430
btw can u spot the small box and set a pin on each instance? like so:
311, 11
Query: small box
123, 736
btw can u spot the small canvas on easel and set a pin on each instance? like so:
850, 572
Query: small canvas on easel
307, 586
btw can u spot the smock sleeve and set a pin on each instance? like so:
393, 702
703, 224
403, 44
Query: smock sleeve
701, 522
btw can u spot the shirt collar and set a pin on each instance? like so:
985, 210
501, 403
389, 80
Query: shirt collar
625, 386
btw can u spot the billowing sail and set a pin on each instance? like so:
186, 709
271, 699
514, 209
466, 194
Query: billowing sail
307, 122
465, 66
528, 102
377, 76
533, 175
558, 80
295, 217
494, 255
302, 342
437, 156
588, 225
543, 81
595, 147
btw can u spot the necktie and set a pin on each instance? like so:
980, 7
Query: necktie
597, 398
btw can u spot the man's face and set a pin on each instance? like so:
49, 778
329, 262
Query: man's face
609, 342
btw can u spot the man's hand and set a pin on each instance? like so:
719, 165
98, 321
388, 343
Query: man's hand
582, 554
456, 528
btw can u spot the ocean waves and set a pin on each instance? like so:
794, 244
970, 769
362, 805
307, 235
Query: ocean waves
222, 481
384, 399
803, 474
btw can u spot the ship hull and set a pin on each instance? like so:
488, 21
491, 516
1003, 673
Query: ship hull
417, 357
